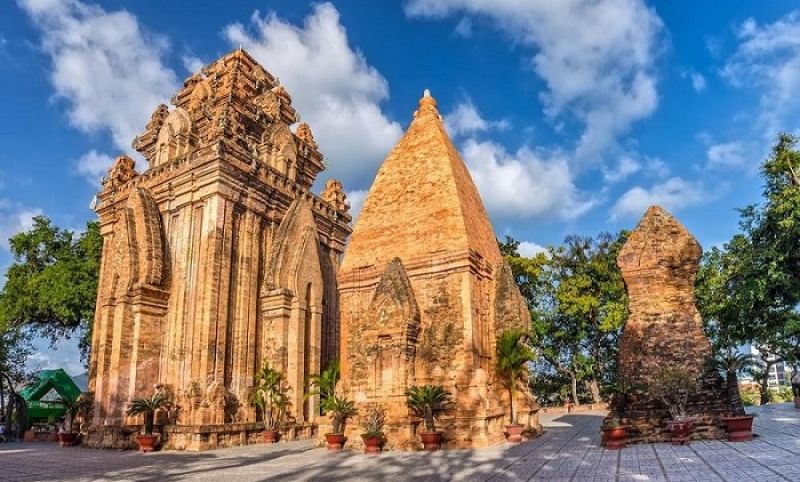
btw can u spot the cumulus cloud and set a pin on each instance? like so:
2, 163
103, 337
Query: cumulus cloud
768, 59
624, 168
727, 155
464, 28
192, 63
696, 78
465, 119
15, 218
596, 57
94, 165
673, 194
356, 199
530, 249
525, 184
334, 88
108, 70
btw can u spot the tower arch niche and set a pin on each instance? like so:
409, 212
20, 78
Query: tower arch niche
292, 306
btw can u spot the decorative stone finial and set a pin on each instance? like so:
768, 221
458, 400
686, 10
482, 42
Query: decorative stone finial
122, 171
427, 104
305, 134
334, 195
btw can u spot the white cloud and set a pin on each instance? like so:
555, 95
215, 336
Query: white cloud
625, 167
464, 28
673, 194
465, 119
768, 59
696, 78
698, 82
64, 354
94, 165
526, 184
105, 66
334, 88
727, 155
530, 249
192, 64
356, 199
15, 218
596, 57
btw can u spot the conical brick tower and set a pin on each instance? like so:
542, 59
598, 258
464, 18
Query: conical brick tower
424, 294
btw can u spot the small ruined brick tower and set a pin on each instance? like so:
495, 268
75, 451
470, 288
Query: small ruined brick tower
659, 264
216, 258
424, 292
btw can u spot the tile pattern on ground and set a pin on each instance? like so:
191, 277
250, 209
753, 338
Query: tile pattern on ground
568, 451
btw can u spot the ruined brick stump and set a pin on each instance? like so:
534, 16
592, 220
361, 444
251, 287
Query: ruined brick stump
664, 330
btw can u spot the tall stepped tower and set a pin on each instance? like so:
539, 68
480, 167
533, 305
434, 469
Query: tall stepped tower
216, 258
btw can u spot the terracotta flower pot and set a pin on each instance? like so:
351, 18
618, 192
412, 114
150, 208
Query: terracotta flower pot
514, 433
431, 441
740, 429
335, 441
147, 443
681, 429
270, 436
67, 439
615, 438
372, 443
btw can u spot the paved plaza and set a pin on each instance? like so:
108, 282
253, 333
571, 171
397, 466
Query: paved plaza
568, 451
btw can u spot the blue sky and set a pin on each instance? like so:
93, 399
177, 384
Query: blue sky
572, 115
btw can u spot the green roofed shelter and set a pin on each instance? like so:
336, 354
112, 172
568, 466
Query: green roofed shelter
42, 394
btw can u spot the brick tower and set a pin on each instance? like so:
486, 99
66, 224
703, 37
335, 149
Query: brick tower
659, 264
424, 292
216, 258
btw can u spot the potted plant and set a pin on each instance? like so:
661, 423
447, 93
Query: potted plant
428, 401
729, 364
340, 410
373, 431
147, 407
270, 396
513, 355
66, 436
673, 386
615, 434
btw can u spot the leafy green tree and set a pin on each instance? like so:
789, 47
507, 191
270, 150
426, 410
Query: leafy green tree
749, 290
578, 306
51, 286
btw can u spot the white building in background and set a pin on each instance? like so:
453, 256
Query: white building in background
779, 373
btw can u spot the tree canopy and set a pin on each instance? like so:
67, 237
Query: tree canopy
578, 306
51, 285
748, 290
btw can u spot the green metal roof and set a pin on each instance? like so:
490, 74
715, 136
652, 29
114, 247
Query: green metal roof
57, 380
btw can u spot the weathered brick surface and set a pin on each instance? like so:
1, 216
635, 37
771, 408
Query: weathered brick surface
215, 258
424, 293
659, 265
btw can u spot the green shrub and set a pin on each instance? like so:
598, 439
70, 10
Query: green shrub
780, 395
750, 396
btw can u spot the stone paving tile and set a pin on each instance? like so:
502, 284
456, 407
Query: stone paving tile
565, 453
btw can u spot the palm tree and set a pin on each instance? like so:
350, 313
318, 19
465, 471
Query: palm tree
269, 396
729, 364
324, 384
340, 410
427, 401
513, 355
72, 408
147, 406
